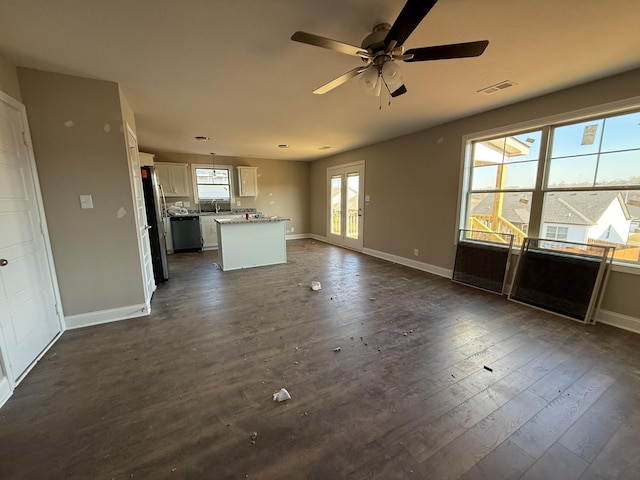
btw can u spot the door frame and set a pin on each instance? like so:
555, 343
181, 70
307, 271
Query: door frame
44, 230
342, 241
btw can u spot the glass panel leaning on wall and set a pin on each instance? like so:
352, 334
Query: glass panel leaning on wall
589, 191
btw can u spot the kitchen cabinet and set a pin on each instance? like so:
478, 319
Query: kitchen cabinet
209, 232
146, 159
174, 178
247, 181
209, 229
251, 243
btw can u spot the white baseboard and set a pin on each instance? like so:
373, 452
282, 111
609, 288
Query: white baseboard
619, 320
297, 236
319, 238
106, 316
5, 390
407, 262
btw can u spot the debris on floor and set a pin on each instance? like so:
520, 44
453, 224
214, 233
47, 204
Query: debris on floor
337, 349
488, 369
281, 395
315, 286
254, 435
372, 299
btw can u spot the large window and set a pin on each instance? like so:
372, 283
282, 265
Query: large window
575, 182
213, 183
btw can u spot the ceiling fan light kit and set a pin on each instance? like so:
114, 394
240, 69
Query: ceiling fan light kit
381, 48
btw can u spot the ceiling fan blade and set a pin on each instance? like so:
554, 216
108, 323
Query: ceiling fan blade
323, 42
340, 80
410, 17
399, 91
442, 52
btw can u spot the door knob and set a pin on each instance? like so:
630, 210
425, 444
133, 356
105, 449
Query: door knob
4, 262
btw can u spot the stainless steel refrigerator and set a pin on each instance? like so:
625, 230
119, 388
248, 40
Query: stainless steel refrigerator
155, 204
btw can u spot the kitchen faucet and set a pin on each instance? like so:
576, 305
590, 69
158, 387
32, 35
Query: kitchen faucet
214, 203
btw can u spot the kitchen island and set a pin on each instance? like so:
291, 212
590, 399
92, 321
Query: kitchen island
253, 242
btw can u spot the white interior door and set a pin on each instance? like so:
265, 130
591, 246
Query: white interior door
29, 317
141, 216
346, 200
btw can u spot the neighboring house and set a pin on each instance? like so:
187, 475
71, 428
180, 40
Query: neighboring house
570, 216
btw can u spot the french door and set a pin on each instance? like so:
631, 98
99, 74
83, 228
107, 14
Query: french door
345, 195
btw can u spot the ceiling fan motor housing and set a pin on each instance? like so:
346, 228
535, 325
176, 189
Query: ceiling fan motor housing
374, 42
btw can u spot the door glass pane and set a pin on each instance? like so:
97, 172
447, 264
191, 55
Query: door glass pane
353, 197
336, 201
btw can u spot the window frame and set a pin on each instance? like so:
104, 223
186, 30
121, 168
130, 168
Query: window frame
194, 179
545, 124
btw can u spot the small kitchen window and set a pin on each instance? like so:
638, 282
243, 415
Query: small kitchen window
213, 183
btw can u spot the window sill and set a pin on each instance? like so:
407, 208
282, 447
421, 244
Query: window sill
629, 269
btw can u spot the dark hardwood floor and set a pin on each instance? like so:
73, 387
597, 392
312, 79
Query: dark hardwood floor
178, 394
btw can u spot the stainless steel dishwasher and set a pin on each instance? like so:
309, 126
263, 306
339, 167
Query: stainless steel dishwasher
185, 231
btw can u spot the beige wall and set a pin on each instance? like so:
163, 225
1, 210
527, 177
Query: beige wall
413, 182
79, 145
9, 78
283, 185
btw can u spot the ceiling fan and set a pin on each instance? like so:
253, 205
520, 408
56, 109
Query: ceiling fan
385, 45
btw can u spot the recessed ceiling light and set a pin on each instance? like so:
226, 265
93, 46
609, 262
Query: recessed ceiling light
283, 145
324, 147
202, 138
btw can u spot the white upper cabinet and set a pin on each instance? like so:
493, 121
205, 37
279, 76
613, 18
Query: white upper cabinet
248, 181
174, 178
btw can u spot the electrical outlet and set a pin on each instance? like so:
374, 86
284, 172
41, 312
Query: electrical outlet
291, 229
416, 252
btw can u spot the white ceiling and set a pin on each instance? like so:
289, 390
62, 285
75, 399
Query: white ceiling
227, 69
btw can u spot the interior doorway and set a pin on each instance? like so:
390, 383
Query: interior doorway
345, 184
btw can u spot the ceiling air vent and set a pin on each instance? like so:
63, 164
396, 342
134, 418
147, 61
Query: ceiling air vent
497, 87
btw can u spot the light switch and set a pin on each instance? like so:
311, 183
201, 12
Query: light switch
367, 198
86, 201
